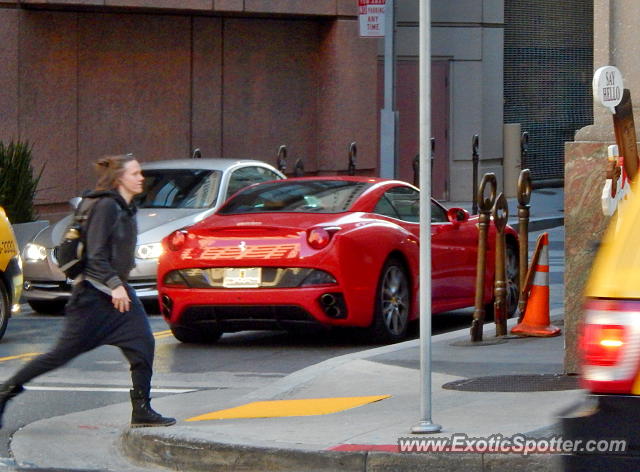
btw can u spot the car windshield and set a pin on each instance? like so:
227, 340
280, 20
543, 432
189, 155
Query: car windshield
310, 196
179, 188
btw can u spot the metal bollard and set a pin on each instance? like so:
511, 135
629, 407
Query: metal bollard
353, 152
500, 215
484, 219
524, 196
475, 158
433, 154
524, 148
282, 158
298, 170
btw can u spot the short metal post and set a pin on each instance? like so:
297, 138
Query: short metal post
433, 154
524, 148
353, 152
298, 170
475, 158
484, 219
524, 196
500, 214
282, 158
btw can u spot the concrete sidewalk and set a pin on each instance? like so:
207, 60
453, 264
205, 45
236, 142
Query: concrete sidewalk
519, 389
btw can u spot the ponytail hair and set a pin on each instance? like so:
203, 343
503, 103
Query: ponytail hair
110, 169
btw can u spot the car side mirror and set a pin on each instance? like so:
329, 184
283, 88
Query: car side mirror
75, 202
457, 215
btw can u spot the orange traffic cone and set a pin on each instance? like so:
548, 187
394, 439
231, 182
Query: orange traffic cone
536, 317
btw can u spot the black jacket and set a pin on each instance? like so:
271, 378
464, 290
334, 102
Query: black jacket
111, 237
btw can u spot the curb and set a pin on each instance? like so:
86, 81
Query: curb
205, 455
194, 451
539, 224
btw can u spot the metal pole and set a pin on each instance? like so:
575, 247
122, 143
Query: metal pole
425, 425
388, 115
524, 196
489, 183
475, 159
500, 213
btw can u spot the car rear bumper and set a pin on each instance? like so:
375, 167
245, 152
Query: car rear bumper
603, 418
51, 290
235, 310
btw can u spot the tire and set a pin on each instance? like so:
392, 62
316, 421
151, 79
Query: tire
512, 276
54, 307
392, 303
200, 335
5, 308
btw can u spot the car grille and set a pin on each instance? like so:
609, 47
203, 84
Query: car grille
240, 317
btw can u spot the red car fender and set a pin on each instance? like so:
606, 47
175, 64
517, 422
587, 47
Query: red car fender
361, 252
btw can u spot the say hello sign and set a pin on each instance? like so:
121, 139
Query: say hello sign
608, 87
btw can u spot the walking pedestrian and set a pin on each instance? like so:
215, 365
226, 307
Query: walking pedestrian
103, 308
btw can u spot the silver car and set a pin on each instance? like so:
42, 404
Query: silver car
177, 193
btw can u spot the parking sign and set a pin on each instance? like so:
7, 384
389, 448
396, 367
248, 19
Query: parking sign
371, 13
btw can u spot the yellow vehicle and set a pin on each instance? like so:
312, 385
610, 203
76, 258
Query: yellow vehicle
10, 272
609, 345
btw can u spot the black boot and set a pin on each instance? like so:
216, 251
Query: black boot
142, 414
7, 392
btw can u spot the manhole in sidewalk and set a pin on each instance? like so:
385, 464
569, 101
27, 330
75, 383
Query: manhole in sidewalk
516, 383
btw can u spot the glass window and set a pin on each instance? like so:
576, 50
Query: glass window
403, 203
179, 188
310, 196
438, 214
385, 208
246, 176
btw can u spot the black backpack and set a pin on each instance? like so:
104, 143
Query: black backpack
69, 254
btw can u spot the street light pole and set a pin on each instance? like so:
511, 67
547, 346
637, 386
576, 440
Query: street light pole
425, 425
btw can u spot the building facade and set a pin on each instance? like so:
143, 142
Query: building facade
238, 78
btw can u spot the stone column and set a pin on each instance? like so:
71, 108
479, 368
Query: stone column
615, 43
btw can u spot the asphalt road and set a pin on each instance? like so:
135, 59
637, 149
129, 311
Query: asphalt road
240, 361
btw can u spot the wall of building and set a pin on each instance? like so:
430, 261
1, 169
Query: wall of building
467, 34
80, 84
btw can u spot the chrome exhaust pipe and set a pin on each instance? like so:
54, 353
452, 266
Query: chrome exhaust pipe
327, 300
333, 311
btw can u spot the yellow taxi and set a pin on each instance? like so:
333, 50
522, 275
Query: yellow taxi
10, 272
609, 347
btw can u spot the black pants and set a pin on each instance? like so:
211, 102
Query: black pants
91, 321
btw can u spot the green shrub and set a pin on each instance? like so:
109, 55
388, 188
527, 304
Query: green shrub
18, 186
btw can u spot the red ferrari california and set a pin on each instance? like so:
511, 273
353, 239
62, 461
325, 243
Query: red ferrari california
334, 251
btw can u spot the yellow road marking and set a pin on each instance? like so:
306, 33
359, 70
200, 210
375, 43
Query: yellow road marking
19, 356
282, 408
162, 333
163, 336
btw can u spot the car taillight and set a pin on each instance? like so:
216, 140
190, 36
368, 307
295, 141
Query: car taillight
319, 238
610, 346
176, 240
602, 344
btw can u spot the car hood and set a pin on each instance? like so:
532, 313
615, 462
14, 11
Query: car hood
153, 224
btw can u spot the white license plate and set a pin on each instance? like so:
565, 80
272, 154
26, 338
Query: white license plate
242, 278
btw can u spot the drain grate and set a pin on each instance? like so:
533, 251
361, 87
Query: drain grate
516, 383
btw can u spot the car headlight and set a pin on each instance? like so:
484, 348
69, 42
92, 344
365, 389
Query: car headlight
34, 252
149, 251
